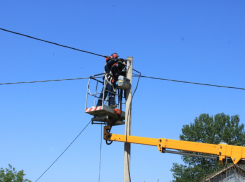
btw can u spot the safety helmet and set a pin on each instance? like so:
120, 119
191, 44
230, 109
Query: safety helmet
114, 55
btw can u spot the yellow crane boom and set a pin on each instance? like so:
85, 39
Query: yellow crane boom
222, 151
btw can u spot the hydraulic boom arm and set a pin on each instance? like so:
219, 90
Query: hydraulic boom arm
233, 153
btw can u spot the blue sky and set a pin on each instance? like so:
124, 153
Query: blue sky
199, 41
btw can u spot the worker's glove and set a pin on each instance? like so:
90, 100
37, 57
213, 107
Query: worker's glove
108, 58
113, 80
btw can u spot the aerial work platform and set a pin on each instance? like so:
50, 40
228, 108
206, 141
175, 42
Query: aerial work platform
105, 114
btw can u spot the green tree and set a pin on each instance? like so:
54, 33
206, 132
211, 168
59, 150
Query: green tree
207, 129
11, 175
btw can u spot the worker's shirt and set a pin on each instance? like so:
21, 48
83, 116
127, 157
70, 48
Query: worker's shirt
109, 64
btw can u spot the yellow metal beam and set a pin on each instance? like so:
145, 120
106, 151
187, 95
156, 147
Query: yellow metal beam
236, 153
129, 139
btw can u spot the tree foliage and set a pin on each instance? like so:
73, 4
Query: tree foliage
11, 175
207, 129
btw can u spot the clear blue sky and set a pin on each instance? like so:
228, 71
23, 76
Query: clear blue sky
199, 41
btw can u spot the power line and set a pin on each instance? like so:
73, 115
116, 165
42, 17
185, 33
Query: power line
63, 151
165, 79
205, 84
45, 81
101, 56
51, 42
137, 82
101, 135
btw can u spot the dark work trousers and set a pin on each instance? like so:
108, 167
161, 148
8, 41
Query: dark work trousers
111, 93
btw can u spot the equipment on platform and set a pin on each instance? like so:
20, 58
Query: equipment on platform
123, 83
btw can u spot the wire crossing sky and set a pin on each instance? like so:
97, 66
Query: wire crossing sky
102, 56
165, 79
17, 33
63, 151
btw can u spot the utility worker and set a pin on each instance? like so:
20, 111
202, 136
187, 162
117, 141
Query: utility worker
110, 80
118, 68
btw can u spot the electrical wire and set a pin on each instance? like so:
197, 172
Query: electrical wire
100, 152
63, 151
137, 82
17, 33
205, 84
46, 81
134, 75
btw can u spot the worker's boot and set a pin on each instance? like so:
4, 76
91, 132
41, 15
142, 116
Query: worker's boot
113, 105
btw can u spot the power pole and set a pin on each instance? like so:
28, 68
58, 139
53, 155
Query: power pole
127, 146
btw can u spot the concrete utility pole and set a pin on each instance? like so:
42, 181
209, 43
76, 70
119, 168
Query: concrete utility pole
126, 176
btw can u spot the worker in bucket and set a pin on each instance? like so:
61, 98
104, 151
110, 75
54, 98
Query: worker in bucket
109, 82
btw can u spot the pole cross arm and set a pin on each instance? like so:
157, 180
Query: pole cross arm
234, 153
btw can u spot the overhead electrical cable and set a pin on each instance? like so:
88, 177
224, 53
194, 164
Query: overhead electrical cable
205, 84
63, 151
45, 81
17, 33
165, 79
51, 42
137, 82
101, 136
